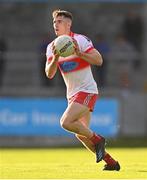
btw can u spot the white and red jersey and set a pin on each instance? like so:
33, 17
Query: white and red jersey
76, 72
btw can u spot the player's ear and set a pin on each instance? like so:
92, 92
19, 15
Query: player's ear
69, 23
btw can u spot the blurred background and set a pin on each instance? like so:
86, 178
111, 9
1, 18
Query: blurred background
31, 105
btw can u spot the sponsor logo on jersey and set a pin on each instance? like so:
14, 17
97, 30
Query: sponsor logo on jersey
68, 66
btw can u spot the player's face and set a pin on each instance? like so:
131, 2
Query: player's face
61, 25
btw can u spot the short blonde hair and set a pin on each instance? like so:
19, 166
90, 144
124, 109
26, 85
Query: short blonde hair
64, 13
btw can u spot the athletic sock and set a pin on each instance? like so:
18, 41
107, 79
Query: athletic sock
95, 138
109, 160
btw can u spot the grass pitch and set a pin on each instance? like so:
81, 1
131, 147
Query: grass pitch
76, 163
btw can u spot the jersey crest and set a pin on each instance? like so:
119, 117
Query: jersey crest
68, 66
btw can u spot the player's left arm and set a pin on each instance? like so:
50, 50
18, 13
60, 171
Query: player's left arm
92, 56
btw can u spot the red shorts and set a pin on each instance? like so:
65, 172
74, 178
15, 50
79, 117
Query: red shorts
87, 99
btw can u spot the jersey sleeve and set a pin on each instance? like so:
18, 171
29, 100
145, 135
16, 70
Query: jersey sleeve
49, 53
85, 44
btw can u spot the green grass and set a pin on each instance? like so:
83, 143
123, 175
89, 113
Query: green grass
74, 163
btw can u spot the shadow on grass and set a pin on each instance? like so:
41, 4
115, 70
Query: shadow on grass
143, 171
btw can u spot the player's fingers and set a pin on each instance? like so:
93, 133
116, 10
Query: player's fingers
75, 42
56, 53
54, 49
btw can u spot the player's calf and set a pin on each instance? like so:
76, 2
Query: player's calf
99, 143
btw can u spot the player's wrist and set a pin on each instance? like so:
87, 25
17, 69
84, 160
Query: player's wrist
55, 58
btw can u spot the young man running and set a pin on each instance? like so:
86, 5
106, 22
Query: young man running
82, 91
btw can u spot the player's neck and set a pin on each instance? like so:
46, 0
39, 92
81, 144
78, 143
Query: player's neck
68, 32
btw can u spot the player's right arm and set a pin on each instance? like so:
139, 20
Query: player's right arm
52, 64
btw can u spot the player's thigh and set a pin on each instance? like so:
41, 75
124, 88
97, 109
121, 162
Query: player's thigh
86, 119
74, 112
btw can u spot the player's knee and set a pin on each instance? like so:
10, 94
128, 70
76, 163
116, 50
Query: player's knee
77, 136
65, 124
